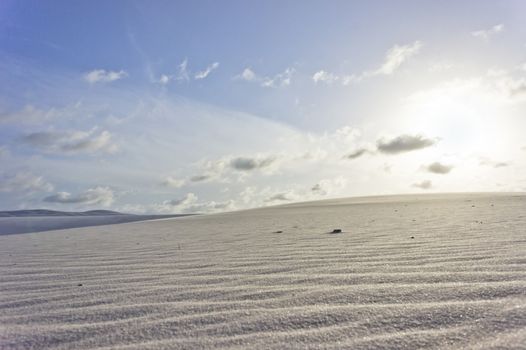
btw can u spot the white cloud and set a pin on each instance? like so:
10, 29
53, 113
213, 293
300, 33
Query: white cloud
211, 207
183, 73
279, 80
101, 75
349, 79
324, 77
173, 182
328, 78
71, 142
227, 168
24, 182
247, 75
397, 55
496, 86
99, 195
512, 87
203, 74
488, 33
164, 79
190, 204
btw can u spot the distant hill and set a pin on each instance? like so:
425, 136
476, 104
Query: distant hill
46, 212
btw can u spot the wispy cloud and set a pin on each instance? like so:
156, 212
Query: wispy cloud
99, 195
404, 143
486, 34
24, 182
204, 73
104, 76
323, 76
394, 58
71, 142
30, 114
183, 73
279, 80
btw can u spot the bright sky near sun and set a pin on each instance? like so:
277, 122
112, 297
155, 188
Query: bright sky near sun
207, 106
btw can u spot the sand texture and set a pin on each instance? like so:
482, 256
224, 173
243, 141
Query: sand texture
407, 272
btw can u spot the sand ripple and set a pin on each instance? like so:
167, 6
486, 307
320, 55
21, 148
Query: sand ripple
229, 281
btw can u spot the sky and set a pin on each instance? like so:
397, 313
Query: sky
207, 106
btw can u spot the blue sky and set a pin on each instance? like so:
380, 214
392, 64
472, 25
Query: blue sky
152, 106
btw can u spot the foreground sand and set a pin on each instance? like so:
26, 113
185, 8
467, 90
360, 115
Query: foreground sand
229, 281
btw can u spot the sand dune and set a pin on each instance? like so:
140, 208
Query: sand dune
408, 272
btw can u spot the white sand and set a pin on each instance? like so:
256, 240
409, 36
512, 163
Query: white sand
228, 281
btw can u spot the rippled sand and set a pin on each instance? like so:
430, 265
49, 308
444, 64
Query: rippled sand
407, 272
